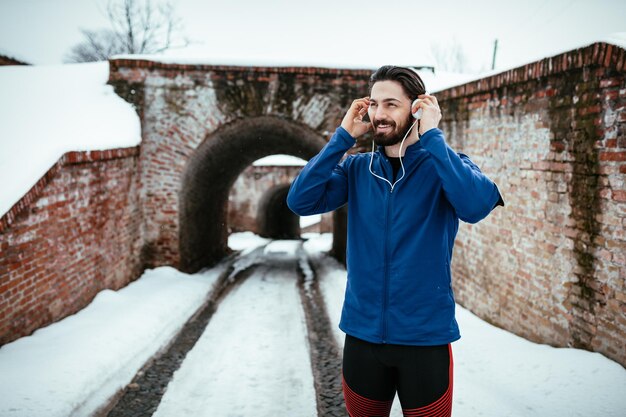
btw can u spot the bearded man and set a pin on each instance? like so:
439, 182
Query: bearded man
405, 199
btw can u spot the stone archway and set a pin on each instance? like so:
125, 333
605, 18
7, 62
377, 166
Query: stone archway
274, 219
212, 170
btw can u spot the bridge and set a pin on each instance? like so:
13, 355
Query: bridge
203, 125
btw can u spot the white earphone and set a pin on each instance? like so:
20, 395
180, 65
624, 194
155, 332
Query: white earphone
418, 113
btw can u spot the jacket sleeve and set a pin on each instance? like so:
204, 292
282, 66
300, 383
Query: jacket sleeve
322, 185
472, 194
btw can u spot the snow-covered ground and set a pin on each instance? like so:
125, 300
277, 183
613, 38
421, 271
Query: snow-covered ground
252, 360
72, 366
498, 374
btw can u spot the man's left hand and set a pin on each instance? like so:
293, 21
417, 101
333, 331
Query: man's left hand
431, 113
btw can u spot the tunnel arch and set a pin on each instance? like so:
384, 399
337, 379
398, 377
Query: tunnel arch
213, 168
274, 219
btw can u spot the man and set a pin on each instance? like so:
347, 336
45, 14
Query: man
405, 201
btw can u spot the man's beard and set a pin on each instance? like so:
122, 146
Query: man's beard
391, 138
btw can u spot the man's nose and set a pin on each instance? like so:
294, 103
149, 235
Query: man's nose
378, 114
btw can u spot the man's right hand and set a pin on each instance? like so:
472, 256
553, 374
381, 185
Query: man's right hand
353, 120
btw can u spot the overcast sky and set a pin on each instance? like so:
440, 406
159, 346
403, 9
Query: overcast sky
362, 33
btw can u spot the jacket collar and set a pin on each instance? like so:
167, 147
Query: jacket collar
411, 152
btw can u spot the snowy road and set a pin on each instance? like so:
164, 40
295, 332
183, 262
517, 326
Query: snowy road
253, 358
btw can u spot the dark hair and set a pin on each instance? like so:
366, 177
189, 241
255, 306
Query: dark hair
411, 82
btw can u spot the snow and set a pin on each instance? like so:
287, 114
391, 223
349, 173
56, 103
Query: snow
306, 221
448, 80
73, 366
246, 241
437, 81
501, 374
286, 247
617, 38
497, 373
199, 55
442, 80
203, 55
50, 110
256, 343
316, 242
253, 358
280, 160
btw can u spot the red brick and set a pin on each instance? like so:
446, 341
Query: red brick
37, 267
618, 195
590, 110
607, 59
612, 156
523, 277
611, 143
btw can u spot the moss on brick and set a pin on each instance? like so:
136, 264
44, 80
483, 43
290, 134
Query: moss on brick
575, 126
131, 92
240, 95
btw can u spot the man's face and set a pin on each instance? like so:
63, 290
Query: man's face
390, 112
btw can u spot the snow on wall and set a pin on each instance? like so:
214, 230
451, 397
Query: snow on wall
50, 110
551, 167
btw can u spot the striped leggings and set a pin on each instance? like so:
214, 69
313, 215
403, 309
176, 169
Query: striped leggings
373, 373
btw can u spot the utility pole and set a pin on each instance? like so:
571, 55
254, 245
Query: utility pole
495, 49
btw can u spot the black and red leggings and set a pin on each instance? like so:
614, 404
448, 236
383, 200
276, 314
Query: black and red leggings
372, 373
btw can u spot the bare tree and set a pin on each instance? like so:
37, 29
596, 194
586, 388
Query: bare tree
137, 27
450, 56
97, 46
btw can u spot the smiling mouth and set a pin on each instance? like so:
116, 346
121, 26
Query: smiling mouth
383, 127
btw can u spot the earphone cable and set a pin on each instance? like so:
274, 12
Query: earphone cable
399, 154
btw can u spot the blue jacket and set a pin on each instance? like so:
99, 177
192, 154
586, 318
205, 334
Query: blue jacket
400, 241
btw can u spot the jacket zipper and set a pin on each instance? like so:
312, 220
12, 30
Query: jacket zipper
386, 284
386, 278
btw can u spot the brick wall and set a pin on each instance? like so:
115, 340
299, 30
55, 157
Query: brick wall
250, 188
73, 234
203, 125
551, 265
